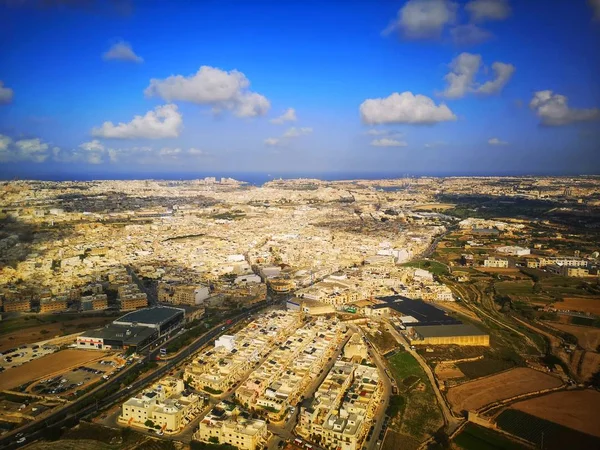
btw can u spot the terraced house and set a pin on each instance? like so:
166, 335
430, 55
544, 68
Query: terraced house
341, 412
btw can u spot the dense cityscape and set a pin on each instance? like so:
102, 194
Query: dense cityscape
302, 313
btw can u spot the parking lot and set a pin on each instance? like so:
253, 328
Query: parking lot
15, 357
77, 378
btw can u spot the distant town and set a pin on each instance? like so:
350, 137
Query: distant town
411, 313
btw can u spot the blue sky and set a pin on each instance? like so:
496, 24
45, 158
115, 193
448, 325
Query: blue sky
375, 86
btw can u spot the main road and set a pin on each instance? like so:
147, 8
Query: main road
80, 408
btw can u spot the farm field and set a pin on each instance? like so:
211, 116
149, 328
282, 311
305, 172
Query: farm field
579, 410
484, 367
30, 329
588, 338
589, 304
543, 433
476, 394
432, 266
448, 371
475, 437
45, 366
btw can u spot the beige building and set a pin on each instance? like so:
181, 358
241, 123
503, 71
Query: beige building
243, 433
166, 405
182, 294
133, 301
96, 302
498, 263
56, 304
17, 305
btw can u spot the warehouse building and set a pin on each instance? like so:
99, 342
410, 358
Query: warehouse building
458, 334
161, 318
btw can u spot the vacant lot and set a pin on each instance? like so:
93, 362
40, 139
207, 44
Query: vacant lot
579, 410
447, 371
476, 394
484, 367
588, 338
45, 366
29, 329
589, 304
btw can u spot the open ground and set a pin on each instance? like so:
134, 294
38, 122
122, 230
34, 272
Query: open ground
476, 394
579, 410
45, 366
589, 304
588, 338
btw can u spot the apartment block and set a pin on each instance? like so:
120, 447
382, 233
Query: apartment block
226, 424
17, 305
166, 405
56, 304
498, 263
343, 408
95, 302
182, 294
133, 301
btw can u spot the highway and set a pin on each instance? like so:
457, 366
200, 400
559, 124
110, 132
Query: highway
78, 410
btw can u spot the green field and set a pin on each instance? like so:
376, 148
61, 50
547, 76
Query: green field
474, 437
524, 287
484, 367
536, 430
432, 266
418, 413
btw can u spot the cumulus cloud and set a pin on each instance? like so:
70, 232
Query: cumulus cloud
553, 110
121, 51
34, 150
212, 86
92, 146
469, 34
93, 152
171, 152
296, 132
288, 116
387, 142
271, 142
463, 72
461, 78
6, 94
404, 108
482, 10
423, 19
496, 141
196, 152
503, 73
163, 122
595, 4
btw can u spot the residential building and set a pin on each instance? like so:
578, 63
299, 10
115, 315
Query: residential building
498, 263
17, 305
55, 304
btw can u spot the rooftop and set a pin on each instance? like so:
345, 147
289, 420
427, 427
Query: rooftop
128, 334
155, 315
449, 330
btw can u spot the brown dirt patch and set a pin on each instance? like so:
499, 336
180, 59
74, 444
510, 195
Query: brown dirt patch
588, 338
574, 409
51, 330
447, 371
589, 365
583, 304
45, 366
476, 394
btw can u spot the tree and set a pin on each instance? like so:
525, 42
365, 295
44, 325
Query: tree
149, 423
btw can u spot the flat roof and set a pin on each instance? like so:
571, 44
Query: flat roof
463, 329
155, 315
425, 313
127, 334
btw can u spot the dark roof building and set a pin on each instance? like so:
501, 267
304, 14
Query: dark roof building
162, 318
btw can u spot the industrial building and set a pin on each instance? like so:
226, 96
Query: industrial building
161, 318
133, 330
457, 334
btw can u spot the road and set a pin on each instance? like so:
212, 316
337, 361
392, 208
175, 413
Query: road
451, 422
78, 409
387, 391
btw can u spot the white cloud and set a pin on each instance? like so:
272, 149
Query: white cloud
404, 108
196, 152
462, 75
121, 51
463, 72
424, 19
93, 152
288, 116
6, 94
212, 86
271, 141
387, 142
92, 146
169, 152
496, 141
553, 110
296, 132
34, 150
503, 73
469, 34
481, 10
164, 122
595, 4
